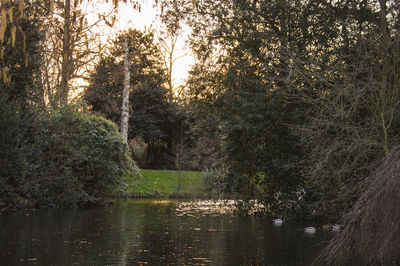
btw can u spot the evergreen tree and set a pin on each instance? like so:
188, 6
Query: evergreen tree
151, 116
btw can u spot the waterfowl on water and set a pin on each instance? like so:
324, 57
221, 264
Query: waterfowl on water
310, 230
336, 227
277, 221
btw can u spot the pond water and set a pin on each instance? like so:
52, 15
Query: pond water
153, 232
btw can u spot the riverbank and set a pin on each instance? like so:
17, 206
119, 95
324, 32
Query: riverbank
165, 183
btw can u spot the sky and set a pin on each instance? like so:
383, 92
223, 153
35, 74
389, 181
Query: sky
128, 17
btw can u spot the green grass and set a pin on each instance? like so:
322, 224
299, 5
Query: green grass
166, 182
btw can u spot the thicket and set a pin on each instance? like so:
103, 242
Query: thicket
371, 230
61, 157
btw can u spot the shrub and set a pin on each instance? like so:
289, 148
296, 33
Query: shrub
62, 158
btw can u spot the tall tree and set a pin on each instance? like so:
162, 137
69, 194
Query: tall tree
168, 38
66, 63
241, 48
125, 94
352, 119
71, 48
152, 116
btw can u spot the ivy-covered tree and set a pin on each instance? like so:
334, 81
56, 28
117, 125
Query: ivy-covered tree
21, 54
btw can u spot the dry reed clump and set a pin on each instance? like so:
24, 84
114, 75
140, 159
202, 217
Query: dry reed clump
139, 149
371, 234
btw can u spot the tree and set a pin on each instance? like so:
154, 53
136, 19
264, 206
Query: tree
168, 38
125, 94
352, 119
66, 62
71, 49
151, 115
68, 47
301, 94
235, 89
21, 54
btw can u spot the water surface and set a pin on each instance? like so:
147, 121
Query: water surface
152, 232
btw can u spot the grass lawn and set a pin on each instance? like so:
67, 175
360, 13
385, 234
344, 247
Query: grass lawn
166, 182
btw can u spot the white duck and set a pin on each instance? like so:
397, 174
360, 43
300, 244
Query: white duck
310, 230
336, 228
277, 221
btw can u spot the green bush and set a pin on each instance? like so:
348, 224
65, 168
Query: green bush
60, 158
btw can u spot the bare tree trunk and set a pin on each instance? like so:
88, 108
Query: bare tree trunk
168, 44
179, 163
125, 97
66, 53
180, 157
169, 72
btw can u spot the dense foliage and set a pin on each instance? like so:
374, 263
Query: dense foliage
59, 158
301, 95
237, 94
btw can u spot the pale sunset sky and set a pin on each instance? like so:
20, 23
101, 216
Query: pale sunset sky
128, 17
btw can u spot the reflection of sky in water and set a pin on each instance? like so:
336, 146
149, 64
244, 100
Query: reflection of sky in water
152, 232
203, 207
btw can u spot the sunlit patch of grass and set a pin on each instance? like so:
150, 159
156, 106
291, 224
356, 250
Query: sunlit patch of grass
165, 182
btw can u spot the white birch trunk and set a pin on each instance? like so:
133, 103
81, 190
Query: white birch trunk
125, 96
